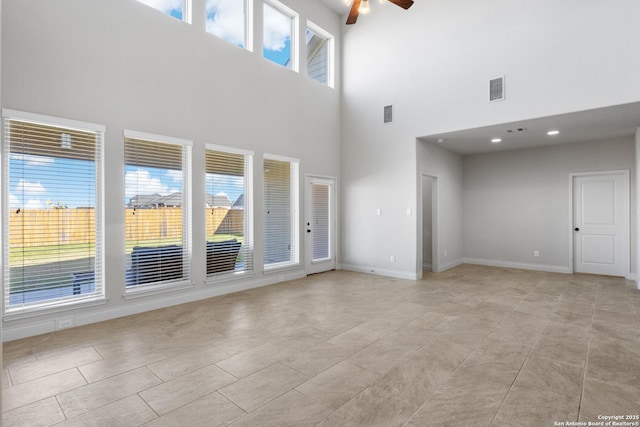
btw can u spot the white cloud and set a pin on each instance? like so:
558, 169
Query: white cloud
277, 29
225, 19
174, 175
140, 182
30, 188
164, 5
32, 160
34, 204
14, 203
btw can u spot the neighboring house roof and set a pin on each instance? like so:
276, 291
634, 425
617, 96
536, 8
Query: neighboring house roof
239, 203
147, 201
220, 200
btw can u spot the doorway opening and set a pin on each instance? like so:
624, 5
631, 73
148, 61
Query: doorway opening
429, 223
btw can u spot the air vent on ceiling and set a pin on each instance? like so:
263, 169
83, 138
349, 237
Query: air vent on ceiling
388, 114
496, 89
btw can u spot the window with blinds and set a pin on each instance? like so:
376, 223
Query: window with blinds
319, 54
157, 210
320, 211
229, 211
52, 211
281, 223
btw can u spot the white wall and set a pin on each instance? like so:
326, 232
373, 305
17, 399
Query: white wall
433, 63
517, 201
127, 66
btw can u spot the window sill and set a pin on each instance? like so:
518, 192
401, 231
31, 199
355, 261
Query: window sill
27, 312
145, 291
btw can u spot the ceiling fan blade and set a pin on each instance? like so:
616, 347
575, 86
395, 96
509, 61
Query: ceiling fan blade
405, 4
353, 14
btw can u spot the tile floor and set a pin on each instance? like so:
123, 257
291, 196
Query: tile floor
474, 346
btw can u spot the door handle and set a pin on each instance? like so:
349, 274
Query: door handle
308, 231
577, 229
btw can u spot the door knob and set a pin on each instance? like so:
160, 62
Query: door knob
577, 229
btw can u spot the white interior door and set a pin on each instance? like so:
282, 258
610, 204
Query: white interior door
600, 223
320, 224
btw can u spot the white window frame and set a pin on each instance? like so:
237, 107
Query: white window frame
331, 41
187, 226
187, 11
248, 208
295, 32
248, 24
294, 212
98, 298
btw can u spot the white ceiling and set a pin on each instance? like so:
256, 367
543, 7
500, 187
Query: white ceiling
339, 6
590, 125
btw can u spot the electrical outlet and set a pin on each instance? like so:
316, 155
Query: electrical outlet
536, 253
393, 258
281, 279
378, 212
64, 324
445, 252
408, 211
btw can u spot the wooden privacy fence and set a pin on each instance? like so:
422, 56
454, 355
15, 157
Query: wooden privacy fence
48, 227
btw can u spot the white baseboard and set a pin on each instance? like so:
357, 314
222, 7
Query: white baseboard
426, 267
34, 328
449, 265
519, 265
408, 275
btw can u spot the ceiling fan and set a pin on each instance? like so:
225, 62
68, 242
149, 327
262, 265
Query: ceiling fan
362, 6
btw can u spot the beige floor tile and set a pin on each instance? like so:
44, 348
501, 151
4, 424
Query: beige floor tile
373, 407
112, 366
337, 385
246, 341
43, 413
262, 387
131, 411
52, 365
508, 355
41, 388
173, 394
455, 407
524, 408
570, 350
359, 337
315, 358
294, 409
104, 392
614, 361
601, 398
251, 361
387, 352
212, 410
189, 361
562, 330
491, 381
6, 382
540, 374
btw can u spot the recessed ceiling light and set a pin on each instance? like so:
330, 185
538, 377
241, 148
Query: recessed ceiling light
553, 132
496, 141
440, 140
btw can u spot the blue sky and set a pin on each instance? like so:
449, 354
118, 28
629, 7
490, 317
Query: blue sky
38, 182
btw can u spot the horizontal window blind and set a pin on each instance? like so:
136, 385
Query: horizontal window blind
280, 212
320, 216
53, 221
228, 204
157, 210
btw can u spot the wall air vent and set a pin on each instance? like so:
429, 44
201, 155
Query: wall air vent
388, 114
496, 89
